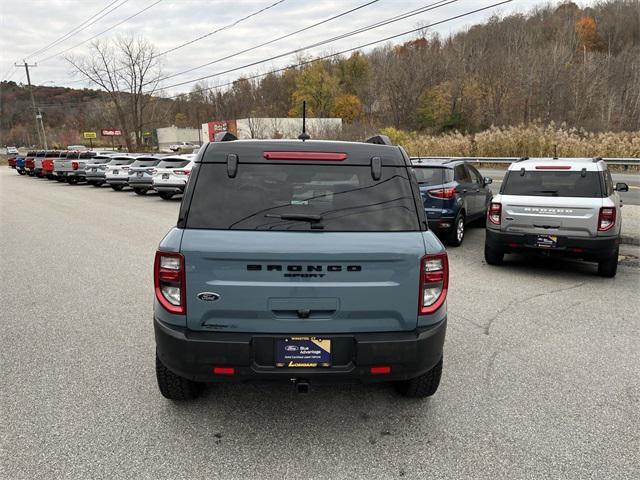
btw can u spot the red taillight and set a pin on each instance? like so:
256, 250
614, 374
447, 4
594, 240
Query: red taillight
224, 370
322, 156
494, 213
74, 165
168, 276
182, 172
380, 370
553, 167
606, 219
443, 192
434, 282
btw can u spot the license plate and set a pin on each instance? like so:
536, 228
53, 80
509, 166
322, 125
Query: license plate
94, 169
139, 174
165, 176
547, 241
303, 352
115, 172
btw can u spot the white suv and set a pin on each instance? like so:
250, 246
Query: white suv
171, 175
557, 206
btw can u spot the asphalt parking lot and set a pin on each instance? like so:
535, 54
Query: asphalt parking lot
540, 377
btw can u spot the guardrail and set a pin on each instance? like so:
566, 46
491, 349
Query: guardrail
508, 160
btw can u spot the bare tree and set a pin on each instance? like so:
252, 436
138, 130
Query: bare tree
129, 71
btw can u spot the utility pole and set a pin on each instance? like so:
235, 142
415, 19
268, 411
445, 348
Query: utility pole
33, 102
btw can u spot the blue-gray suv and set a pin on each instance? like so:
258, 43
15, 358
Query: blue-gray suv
303, 262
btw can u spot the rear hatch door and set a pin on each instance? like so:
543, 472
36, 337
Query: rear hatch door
302, 249
564, 203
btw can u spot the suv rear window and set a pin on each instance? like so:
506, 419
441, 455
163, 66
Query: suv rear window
433, 175
552, 184
333, 198
145, 162
122, 161
173, 163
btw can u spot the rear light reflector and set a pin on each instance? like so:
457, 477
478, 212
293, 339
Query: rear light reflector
443, 192
322, 156
224, 371
74, 165
434, 282
495, 213
380, 370
182, 172
553, 167
169, 282
606, 219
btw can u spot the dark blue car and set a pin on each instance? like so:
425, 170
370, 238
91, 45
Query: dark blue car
454, 194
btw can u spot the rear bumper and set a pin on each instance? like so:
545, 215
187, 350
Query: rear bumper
93, 177
169, 188
194, 354
140, 182
441, 225
589, 248
117, 181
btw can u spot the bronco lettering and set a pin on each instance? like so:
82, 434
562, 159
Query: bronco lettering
304, 268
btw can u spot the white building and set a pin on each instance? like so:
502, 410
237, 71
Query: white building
273, 127
172, 135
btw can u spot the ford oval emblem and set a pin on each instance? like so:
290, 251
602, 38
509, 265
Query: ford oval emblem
208, 296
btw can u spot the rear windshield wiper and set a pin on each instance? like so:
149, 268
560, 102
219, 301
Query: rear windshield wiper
300, 217
550, 192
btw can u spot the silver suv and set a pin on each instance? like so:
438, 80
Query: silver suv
557, 206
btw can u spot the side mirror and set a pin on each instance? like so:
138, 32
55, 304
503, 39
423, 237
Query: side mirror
622, 187
488, 181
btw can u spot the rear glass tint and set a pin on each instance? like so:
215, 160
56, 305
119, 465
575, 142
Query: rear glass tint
121, 161
328, 198
552, 184
73, 155
433, 175
173, 163
145, 162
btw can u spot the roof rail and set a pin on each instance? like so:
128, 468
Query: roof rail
379, 140
224, 137
596, 159
522, 159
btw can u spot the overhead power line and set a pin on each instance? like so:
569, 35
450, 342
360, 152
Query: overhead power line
348, 50
79, 28
322, 58
103, 31
226, 27
397, 18
208, 34
274, 40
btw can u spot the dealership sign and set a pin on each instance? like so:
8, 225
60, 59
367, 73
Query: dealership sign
89, 135
111, 132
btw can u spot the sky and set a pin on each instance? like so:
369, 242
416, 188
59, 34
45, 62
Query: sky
32, 25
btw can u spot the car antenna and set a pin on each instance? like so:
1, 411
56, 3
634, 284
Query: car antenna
304, 135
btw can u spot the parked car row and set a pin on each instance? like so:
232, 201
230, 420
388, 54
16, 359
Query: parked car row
167, 174
551, 206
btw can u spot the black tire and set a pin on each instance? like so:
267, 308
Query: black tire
173, 386
423, 386
492, 256
455, 237
165, 195
141, 191
72, 180
21, 172
609, 266
97, 184
117, 188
